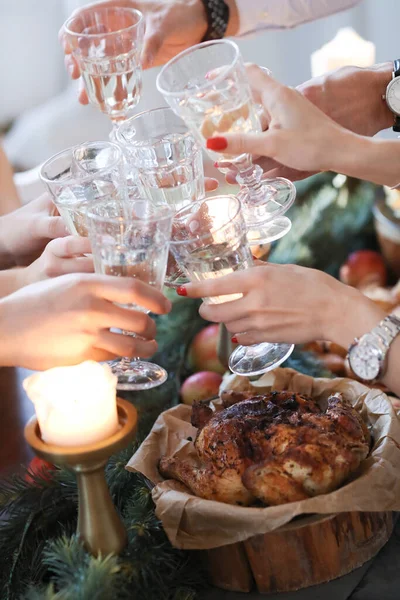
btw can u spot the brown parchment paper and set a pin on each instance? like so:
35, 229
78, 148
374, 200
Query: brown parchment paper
194, 523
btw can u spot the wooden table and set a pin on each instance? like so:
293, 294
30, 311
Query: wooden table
15, 410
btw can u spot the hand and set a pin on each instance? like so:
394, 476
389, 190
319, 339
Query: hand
24, 233
67, 320
350, 96
60, 257
299, 135
288, 304
171, 26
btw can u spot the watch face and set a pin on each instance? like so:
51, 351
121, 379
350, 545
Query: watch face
365, 359
393, 95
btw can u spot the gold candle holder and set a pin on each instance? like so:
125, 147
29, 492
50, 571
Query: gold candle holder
99, 525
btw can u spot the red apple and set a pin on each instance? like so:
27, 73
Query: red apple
364, 268
39, 467
200, 386
203, 351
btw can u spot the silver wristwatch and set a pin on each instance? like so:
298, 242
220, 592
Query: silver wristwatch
367, 355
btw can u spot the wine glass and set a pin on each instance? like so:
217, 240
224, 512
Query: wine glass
132, 240
207, 86
209, 240
81, 175
107, 43
168, 161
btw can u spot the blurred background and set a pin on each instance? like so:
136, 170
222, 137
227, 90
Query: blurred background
39, 113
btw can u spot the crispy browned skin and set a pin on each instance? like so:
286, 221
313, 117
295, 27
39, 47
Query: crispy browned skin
279, 447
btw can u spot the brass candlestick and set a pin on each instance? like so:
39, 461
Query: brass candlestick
99, 525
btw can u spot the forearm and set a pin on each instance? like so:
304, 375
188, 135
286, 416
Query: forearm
276, 14
359, 316
373, 159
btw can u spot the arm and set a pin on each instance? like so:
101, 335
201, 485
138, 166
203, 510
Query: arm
365, 158
255, 15
300, 136
293, 304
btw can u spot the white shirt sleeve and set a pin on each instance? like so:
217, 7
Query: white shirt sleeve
256, 15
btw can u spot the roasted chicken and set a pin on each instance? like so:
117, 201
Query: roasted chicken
276, 448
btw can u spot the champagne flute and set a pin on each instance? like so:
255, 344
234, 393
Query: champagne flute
132, 240
168, 161
107, 43
209, 240
81, 175
207, 86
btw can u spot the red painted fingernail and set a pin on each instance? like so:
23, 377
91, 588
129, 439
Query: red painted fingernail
216, 165
181, 290
217, 143
234, 340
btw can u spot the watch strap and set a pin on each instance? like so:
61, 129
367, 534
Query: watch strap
217, 12
396, 73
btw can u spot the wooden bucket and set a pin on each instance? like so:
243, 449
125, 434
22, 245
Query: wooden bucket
306, 552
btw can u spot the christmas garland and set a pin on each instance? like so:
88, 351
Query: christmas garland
40, 556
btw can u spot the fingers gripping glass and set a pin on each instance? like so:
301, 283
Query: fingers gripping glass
209, 241
132, 240
207, 87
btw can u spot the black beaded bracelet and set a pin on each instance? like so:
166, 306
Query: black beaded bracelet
218, 17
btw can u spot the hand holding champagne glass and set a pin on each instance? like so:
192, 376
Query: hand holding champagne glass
209, 241
207, 86
132, 240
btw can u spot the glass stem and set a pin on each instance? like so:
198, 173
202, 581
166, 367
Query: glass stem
125, 361
250, 177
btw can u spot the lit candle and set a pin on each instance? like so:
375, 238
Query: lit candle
76, 405
346, 48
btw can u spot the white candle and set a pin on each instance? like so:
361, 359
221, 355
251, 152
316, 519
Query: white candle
75, 405
346, 48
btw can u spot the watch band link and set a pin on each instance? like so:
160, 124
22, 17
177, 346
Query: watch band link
217, 12
388, 329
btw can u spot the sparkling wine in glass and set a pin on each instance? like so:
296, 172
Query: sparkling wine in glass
207, 87
107, 43
209, 240
81, 175
132, 240
168, 161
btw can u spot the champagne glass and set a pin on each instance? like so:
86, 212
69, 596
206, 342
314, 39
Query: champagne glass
169, 164
107, 43
83, 174
132, 240
209, 240
207, 86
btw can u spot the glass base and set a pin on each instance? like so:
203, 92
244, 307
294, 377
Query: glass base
258, 358
270, 232
137, 374
271, 204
